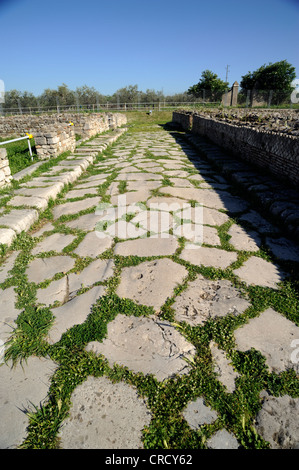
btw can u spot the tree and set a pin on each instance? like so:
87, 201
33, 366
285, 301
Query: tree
275, 77
209, 86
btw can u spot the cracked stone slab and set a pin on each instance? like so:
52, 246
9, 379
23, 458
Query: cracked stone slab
242, 239
222, 440
213, 257
257, 271
73, 312
205, 299
41, 269
145, 344
105, 415
277, 421
197, 413
273, 335
152, 282
75, 207
57, 291
147, 247
55, 242
97, 271
20, 387
223, 368
93, 246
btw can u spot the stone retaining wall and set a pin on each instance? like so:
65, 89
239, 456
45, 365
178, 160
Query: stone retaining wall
5, 173
52, 133
54, 141
86, 125
275, 151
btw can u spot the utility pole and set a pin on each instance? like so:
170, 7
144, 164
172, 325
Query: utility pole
227, 70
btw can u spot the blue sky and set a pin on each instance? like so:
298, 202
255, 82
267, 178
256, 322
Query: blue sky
158, 44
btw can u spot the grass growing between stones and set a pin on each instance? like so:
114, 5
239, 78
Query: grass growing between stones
166, 400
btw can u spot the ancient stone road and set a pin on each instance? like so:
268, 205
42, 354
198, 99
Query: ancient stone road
152, 223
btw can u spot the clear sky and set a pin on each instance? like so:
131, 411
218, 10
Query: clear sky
158, 44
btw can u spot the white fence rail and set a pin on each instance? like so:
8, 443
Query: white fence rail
28, 137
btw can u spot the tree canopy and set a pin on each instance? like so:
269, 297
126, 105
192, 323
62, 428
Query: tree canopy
277, 77
209, 84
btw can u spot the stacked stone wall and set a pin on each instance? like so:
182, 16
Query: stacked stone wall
5, 173
275, 151
54, 134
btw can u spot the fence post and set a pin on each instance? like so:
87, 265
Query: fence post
20, 107
57, 104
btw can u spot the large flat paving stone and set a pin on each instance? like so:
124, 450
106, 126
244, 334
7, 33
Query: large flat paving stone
105, 415
213, 257
73, 312
152, 282
75, 207
147, 247
55, 242
257, 271
145, 344
277, 421
208, 216
93, 246
20, 387
272, 334
41, 269
205, 299
242, 239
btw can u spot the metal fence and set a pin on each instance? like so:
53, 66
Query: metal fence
248, 98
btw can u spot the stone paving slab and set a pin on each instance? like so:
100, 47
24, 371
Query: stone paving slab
113, 413
73, 312
101, 411
204, 299
149, 283
257, 271
272, 334
145, 345
20, 388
